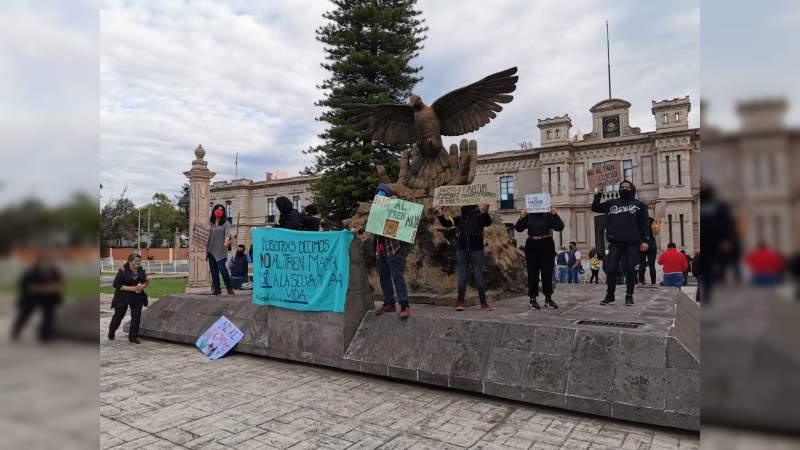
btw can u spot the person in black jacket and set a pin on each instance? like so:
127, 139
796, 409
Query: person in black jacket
648, 258
290, 217
239, 265
130, 283
470, 224
627, 230
309, 218
539, 252
39, 288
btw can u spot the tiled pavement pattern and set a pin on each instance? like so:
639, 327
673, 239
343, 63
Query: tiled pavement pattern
159, 395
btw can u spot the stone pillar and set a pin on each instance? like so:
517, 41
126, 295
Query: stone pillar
199, 194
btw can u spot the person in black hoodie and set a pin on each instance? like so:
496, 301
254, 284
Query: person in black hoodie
627, 231
648, 258
290, 217
539, 253
309, 218
470, 224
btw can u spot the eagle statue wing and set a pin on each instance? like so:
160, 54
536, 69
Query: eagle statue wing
388, 123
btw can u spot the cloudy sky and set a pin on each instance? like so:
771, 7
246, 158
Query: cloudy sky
241, 76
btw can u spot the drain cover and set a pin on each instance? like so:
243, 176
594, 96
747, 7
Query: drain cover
610, 323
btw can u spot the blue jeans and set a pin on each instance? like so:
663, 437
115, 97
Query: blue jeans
475, 259
765, 280
218, 267
574, 275
563, 274
673, 279
236, 282
390, 270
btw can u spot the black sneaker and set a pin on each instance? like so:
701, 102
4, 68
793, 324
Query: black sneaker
110, 336
629, 300
608, 300
532, 304
134, 341
549, 303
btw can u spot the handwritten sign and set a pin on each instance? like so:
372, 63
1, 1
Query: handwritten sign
471, 194
607, 174
200, 235
538, 203
394, 218
301, 270
219, 339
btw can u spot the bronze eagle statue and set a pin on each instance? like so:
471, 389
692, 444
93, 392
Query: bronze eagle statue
461, 111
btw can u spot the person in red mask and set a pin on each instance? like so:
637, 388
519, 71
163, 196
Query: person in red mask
219, 238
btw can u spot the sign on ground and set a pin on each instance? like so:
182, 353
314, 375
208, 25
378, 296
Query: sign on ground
219, 339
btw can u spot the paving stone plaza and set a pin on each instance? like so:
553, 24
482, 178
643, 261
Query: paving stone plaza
161, 395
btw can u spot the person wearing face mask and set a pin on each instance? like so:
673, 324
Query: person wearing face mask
539, 252
290, 217
129, 284
648, 258
238, 265
391, 267
627, 231
470, 224
219, 238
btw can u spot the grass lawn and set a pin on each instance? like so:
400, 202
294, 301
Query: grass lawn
159, 287
75, 288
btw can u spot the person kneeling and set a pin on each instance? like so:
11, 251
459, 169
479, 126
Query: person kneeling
539, 252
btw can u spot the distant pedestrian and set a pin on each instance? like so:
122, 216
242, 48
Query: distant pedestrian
469, 254
129, 284
573, 264
219, 238
688, 267
562, 266
675, 265
647, 259
766, 265
539, 253
39, 288
594, 266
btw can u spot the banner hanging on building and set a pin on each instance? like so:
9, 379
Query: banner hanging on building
394, 218
219, 339
301, 270
470, 194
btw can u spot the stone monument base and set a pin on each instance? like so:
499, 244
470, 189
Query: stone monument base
638, 363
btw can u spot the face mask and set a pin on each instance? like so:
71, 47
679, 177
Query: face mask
137, 264
381, 194
626, 194
240, 252
218, 213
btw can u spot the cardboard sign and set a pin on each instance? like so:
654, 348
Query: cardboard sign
394, 218
200, 233
470, 194
538, 203
661, 210
219, 339
607, 174
301, 270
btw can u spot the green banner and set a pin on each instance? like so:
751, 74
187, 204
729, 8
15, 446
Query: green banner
394, 218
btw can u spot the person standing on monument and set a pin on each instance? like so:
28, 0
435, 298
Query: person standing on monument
290, 217
239, 267
391, 267
219, 238
539, 252
627, 230
470, 224
129, 284
648, 258
309, 218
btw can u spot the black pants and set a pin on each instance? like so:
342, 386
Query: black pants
648, 259
595, 276
26, 309
119, 314
539, 254
628, 255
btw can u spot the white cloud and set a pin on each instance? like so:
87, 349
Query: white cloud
239, 78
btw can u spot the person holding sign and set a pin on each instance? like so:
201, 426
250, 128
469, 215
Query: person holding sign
627, 230
540, 249
391, 267
470, 224
290, 217
219, 238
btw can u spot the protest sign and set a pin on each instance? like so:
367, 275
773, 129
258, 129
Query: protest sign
394, 218
471, 194
200, 234
301, 270
537, 203
607, 174
220, 338
661, 210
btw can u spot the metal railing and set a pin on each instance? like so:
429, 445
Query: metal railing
175, 266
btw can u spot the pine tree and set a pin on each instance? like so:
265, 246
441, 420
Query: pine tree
369, 47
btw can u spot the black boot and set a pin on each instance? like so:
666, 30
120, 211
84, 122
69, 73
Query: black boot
608, 300
549, 303
532, 304
629, 300
110, 335
134, 340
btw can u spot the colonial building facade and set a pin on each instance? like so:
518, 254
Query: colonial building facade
664, 164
